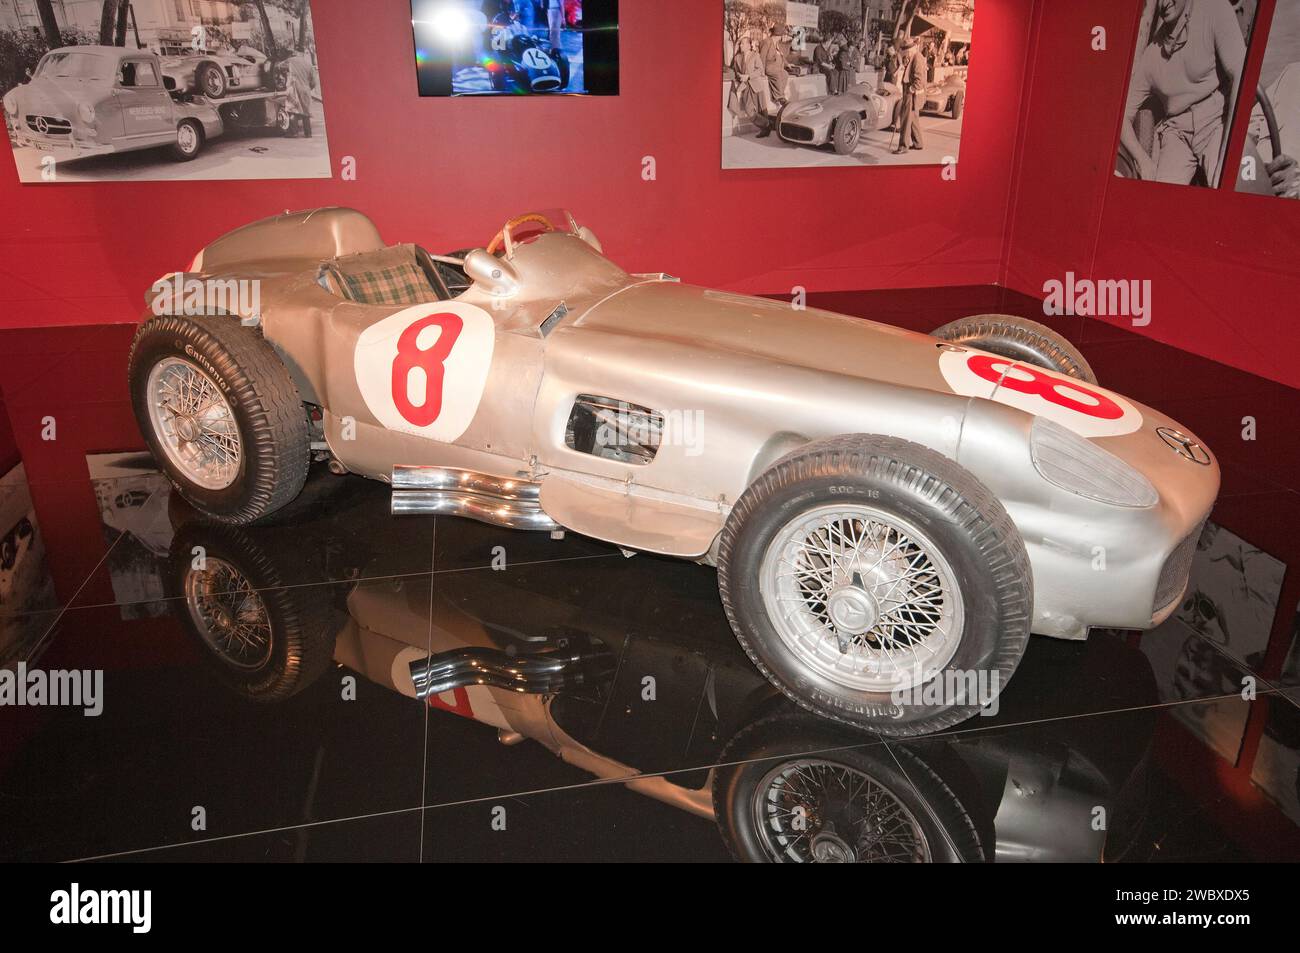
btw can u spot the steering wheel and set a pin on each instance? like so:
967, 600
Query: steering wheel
547, 226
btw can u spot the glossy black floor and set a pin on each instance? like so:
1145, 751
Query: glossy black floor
657, 734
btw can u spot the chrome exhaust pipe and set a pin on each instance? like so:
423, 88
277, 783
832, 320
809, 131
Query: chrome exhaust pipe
464, 481
550, 673
444, 491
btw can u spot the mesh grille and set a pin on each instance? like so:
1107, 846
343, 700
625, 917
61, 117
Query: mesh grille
1174, 573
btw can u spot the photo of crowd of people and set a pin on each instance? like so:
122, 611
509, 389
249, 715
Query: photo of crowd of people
1183, 90
97, 90
844, 82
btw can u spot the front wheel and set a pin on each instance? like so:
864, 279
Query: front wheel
189, 141
1021, 340
220, 413
792, 790
848, 130
876, 582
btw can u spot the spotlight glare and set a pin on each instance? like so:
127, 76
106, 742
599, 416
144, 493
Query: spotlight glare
451, 24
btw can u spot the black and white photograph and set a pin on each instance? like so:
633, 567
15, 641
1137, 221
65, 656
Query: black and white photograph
98, 90
1269, 160
1233, 595
1182, 92
844, 82
26, 589
516, 47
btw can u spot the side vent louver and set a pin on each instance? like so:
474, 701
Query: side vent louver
614, 429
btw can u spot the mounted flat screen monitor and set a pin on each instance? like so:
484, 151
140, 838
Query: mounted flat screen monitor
516, 47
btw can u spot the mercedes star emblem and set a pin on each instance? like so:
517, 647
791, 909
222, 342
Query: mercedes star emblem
1184, 446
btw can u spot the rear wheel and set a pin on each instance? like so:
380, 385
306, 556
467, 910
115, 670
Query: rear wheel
1021, 340
220, 413
210, 80
262, 636
876, 582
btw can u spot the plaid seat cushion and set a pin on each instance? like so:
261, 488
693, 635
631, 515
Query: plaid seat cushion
386, 276
397, 284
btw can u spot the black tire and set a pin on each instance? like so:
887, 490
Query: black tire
947, 829
210, 81
272, 422
848, 130
301, 623
958, 103
1019, 339
563, 62
963, 520
187, 148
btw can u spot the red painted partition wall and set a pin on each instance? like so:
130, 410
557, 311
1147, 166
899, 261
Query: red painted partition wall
1034, 195
448, 172
1225, 268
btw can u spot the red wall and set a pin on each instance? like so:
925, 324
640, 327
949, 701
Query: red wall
1224, 267
447, 173
1034, 195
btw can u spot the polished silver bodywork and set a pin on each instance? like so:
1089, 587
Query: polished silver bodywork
761, 377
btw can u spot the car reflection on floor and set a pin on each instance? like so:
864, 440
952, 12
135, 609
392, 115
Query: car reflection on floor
780, 784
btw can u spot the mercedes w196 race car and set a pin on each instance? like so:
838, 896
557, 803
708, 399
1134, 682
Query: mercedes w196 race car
890, 513
214, 73
817, 119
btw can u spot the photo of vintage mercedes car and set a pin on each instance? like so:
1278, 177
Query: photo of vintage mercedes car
840, 120
214, 73
86, 101
890, 513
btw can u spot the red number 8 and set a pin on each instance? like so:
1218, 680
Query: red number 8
1045, 387
430, 360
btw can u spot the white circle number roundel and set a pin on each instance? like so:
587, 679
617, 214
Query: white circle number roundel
422, 370
1087, 409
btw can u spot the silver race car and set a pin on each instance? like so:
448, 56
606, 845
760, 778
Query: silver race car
890, 513
842, 119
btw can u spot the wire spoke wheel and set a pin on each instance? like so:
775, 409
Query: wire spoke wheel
816, 811
229, 614
194, 423
862, 597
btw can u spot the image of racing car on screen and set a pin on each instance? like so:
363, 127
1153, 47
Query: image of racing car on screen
523, 62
